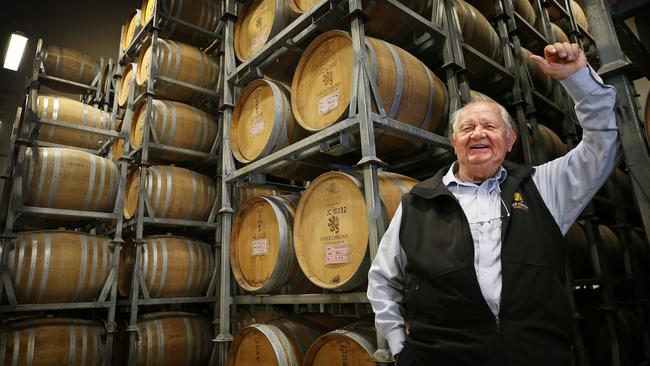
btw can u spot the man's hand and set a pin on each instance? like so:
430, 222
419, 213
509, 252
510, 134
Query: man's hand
562, 60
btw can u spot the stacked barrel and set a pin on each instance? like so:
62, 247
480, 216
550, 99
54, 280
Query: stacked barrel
166, 97
288, 124
55, 256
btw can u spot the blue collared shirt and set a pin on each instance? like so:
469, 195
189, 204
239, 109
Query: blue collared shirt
566, 185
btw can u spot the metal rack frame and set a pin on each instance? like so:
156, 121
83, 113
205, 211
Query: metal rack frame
139, 295
604, 278
25, 131
361, 121
525, 100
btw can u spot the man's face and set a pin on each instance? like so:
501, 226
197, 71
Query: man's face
481, 140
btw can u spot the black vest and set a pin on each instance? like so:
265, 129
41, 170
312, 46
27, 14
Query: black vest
451, 323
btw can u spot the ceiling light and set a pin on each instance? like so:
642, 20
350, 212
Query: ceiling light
15, 51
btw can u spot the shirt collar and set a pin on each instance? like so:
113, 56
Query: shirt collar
450, 178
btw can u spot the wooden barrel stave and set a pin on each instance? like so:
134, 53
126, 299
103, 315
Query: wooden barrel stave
193, 193
70, 179
330, 229
67, 110
58, 266
172, 266
203, 14
68, 64
173, 338
178, 125
52, 341
177, 61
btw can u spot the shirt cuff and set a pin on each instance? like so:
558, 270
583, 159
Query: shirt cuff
396, 339
582, 82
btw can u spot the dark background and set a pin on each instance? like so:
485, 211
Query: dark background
90, 26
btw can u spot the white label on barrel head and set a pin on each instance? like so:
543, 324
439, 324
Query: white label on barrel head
328, 103
260, 247
337, 253
258, 41
256, 127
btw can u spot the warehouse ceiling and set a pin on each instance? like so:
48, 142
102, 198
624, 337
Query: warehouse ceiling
90, 26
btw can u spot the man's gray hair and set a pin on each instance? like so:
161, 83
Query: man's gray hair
476, 97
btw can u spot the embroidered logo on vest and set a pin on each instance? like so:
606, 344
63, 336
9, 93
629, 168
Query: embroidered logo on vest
518, 202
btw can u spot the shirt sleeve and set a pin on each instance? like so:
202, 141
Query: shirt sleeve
568, 183
386, 280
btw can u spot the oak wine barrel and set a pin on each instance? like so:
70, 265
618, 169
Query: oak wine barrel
281, 342
128, 78
552, 144
258, 22
203, 14
117, 150
62, 109
246, 315
104, 82
52, 341
639, 248
180, 62
613, 250
131, 28
541, 81
331, 227
647, 117
58, 266
173, 266
579, 253
485, 7
68, 64
173, 338
177, 125
477, 32
174, 193
525, 9
559, 34
241, 195
70, 179
556, 16
262, 121
409, 91
383, 21
262, 256
351, 345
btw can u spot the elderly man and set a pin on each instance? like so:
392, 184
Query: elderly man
473, 257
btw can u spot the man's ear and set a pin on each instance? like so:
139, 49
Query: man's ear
511, 137
453, 141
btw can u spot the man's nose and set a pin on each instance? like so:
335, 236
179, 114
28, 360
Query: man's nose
478, 132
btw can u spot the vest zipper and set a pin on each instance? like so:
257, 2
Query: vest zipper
497, 321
